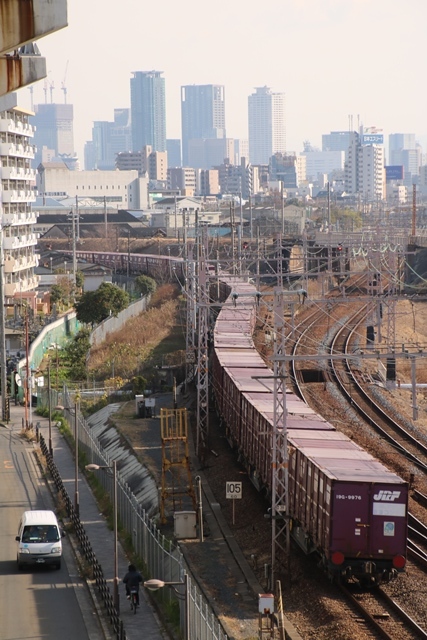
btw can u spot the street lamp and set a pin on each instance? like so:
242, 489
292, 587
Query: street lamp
76, 457
155, 584
96, 467
49, 402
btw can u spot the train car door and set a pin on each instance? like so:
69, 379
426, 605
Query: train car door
388, 520
350, 519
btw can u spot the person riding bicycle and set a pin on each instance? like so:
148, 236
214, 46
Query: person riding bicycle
132, 580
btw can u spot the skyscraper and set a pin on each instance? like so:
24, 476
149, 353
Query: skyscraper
148, 110
54, 132
267, 125
404, 151
336, 141
108, 139
202, 117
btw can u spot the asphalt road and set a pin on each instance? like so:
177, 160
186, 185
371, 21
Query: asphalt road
37, 602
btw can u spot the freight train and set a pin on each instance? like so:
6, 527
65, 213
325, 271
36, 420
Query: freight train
157, 266
344, 504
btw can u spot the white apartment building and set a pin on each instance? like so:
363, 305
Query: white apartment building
113, 187
267, 125
372, 172
364, 169
17, 182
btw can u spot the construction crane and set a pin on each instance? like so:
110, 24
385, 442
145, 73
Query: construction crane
63, 86
51, 88
31, 90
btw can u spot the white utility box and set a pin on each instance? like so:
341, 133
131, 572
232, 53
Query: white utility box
185, 524
265, 603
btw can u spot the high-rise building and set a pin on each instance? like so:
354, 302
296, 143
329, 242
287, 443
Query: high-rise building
148, 110
53, 136
322, 162
267, 125
108, 139
336, 140
17, 180
173, 147
202, 117
364, 168
404, 151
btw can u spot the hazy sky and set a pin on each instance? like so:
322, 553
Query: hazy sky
332, 58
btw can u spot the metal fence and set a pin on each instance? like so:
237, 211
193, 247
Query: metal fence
115, 323
163, 559
85, 546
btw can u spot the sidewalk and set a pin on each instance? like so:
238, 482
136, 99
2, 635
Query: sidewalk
100, 536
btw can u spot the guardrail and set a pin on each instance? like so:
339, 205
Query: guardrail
85, 546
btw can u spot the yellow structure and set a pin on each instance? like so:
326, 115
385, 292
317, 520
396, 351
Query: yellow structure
177, 484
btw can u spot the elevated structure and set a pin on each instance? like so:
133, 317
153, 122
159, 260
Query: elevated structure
21, 24
177, 483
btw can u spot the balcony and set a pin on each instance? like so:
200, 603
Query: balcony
16, 242
21, 286
14, 265
8, 125
14, 219
17, 150
21, 195
17, 173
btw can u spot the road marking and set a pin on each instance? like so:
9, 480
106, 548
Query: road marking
8, 464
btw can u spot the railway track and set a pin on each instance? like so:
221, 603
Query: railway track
353, 386
382, 616
389, 619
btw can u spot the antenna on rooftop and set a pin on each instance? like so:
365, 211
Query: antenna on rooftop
51, 88
63, 86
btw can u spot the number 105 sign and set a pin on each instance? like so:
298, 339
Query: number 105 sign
233, 490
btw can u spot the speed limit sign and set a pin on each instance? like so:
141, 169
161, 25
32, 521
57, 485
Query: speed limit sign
233, 490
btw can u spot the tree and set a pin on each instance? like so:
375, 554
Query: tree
80, 279
86, 308
55, 293
95, 306
145, 285
76, 352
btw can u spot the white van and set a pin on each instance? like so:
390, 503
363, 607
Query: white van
39, 539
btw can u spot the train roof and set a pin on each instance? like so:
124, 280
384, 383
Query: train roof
238, 325
245, 379
233, 340
242, 358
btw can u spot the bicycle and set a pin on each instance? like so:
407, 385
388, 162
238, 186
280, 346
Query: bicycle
133, 599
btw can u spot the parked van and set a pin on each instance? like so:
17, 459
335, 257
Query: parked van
39, 539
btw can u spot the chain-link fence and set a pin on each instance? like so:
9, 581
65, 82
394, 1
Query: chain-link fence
163, 558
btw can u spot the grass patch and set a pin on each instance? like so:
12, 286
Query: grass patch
144, 343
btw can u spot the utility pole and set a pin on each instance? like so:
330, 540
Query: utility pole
78, 219
414, 209
202, 355
282, 204
105, 217
190, 289
2, 332
280, 471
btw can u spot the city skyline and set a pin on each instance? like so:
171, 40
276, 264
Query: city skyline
332, 60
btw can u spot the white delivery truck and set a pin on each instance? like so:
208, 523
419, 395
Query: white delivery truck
39, 539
